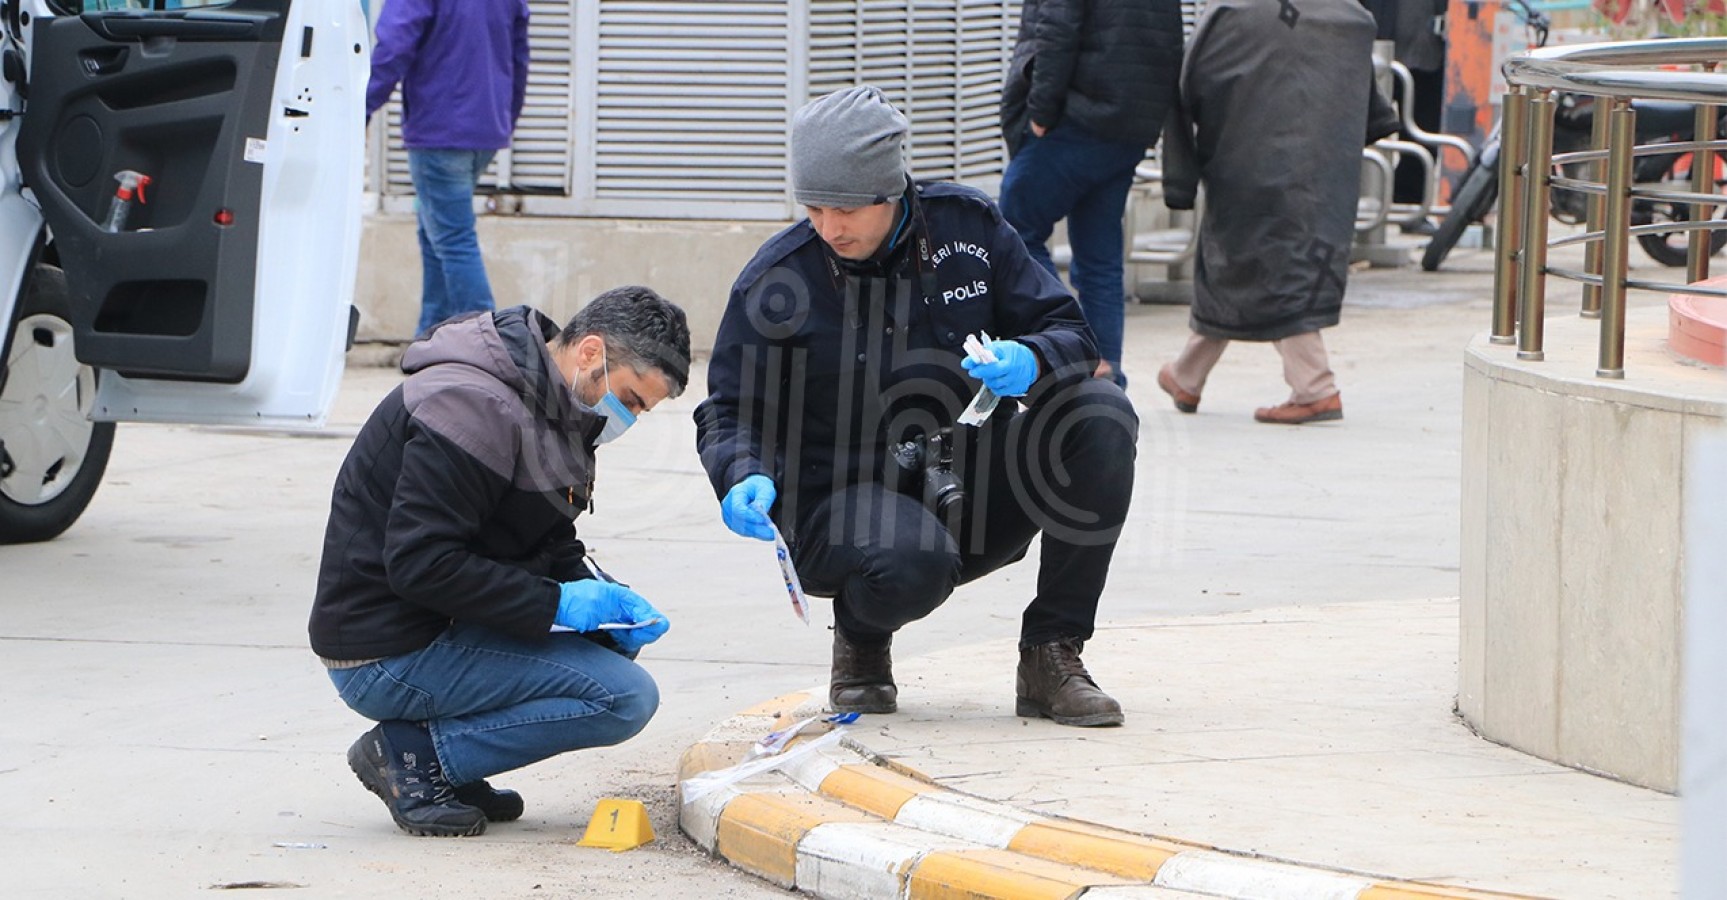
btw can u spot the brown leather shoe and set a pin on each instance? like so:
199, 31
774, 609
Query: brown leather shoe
1325, 410
862, 679
1184, 401
1053, 683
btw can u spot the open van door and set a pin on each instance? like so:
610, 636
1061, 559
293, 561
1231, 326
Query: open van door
179, 226
199, 168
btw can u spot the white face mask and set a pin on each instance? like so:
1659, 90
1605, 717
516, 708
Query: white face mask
618, 416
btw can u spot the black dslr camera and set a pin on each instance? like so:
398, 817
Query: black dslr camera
929, 459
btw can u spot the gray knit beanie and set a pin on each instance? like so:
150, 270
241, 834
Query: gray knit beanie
846, 150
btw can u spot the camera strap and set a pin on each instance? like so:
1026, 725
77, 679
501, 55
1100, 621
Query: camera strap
925, 259
925, 263
848, 297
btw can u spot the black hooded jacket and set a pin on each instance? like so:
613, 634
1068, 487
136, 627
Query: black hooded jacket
458, 497
1111, 66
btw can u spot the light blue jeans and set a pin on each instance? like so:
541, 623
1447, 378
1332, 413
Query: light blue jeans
494, 702
453, 274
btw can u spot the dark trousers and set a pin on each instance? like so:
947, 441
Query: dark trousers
1063, 468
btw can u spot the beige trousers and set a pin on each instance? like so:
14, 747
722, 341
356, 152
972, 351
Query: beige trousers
1305, 366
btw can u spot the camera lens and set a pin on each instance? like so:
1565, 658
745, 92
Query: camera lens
943, 491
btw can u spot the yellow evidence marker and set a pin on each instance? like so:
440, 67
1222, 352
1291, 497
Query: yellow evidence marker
618, 825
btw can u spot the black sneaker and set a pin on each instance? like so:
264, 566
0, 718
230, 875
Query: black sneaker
499, 806
412, 785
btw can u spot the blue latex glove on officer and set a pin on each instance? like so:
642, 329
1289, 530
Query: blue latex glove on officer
1012, 373
745, 508
587, 604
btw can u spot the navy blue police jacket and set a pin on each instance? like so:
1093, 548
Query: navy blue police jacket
821, 364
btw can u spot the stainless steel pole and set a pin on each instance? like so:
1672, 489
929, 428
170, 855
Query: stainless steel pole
1537, 185
1506, 257
1702, 182
1621, 141
1592, 250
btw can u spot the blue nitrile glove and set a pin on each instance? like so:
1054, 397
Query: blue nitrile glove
745, 509
632, 640
1012, 373
587, 604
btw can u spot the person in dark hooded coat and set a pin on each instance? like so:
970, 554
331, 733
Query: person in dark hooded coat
1273, 112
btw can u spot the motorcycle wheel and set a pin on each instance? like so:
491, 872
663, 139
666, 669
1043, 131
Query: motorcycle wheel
51, 455
1474, 201
1671, 248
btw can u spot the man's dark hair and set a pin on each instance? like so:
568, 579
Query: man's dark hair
641, 329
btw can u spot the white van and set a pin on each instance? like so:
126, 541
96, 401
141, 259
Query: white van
179, 227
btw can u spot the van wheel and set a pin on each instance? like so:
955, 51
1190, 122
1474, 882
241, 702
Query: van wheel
51, 455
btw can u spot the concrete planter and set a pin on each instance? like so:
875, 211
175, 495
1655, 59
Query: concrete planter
1572, 570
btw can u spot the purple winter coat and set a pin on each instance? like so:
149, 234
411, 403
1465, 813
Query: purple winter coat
463, 68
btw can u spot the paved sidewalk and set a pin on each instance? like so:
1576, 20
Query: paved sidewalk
1318, 736
1291, 738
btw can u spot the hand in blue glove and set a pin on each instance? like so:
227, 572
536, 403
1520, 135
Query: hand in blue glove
1012, 373
587, 604
632, 640
745, 509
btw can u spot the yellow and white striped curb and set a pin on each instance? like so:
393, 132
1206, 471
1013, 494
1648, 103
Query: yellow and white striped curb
839, 822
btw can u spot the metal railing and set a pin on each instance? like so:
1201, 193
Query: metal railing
1431, 146
1377, 207
1614, 74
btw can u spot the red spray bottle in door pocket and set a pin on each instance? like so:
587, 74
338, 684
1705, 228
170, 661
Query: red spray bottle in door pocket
131, 183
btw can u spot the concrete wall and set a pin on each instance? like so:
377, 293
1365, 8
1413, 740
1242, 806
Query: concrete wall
1572, 561
557, 264
1703, 778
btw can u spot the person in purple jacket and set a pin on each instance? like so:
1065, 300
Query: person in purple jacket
463, 68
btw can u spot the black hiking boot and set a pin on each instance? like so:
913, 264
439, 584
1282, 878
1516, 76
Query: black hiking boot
1053, 683
862, 679
499, 806
411, 783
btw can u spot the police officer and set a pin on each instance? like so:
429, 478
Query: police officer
838, 377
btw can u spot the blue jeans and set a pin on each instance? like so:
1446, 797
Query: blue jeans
453, 274
1071, 174
494, 702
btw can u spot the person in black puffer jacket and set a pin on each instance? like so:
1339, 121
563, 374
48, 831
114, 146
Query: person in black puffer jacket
1086, 94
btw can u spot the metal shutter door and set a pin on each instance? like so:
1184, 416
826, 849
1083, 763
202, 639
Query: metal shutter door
539, 158
679, 108
1191, 10
988, 29
690, 109
940, 61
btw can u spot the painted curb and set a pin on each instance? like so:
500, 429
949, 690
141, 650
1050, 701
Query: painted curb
838, 821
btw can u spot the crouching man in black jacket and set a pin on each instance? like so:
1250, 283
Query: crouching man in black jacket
838, 376
455, 605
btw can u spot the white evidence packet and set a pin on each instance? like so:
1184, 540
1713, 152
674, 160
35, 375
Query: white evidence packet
794, 586
977, 347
